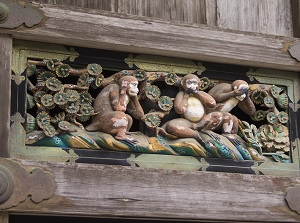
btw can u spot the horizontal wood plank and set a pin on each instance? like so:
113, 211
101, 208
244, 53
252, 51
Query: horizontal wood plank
268, 16
105, 30
113, 191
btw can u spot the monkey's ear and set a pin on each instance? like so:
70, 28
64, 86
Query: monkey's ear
199, 83
182, 82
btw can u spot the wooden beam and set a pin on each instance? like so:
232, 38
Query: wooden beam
105, 30
113, 191
5, 81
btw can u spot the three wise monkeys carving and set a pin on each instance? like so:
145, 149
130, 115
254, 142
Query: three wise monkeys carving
117, 103
153, 112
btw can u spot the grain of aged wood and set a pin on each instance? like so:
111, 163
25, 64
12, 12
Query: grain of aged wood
268, 16
192, 11
4, 217
5, 70
211, 12
104, 30
111, 191
296, 17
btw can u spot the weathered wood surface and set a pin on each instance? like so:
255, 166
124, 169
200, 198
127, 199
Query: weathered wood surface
191, 11
4, 217
111, 191
104, 30
296, 17
267, 16
211, 13
5, 81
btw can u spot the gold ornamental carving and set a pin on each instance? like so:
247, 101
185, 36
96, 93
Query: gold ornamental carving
165, 64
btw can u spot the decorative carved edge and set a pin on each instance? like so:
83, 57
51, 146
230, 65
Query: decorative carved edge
286, 169
18, 183
164, 64
288, 79
293, 198
291, 81
170, 162
20, 151
22, 50
14, 14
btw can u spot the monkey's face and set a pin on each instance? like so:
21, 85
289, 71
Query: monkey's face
132, 89
192, 85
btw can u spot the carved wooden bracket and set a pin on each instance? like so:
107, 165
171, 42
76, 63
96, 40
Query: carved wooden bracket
18, 183
293, 198
13, 14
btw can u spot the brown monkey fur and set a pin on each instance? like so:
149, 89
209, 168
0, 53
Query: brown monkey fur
191, 104
216, 115
228, 96
111, 104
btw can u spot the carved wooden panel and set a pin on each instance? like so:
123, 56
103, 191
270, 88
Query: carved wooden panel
247, 125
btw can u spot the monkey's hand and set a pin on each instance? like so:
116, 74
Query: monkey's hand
121, 108
191, 91
123, 87
241, 91
123, 90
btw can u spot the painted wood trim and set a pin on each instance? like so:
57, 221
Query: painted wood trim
5, 98
106, 30
112, 191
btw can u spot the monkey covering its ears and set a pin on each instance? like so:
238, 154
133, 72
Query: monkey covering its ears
111, 104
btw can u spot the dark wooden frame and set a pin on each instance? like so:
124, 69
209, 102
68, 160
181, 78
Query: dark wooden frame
296, 17
151, 193
5, 68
